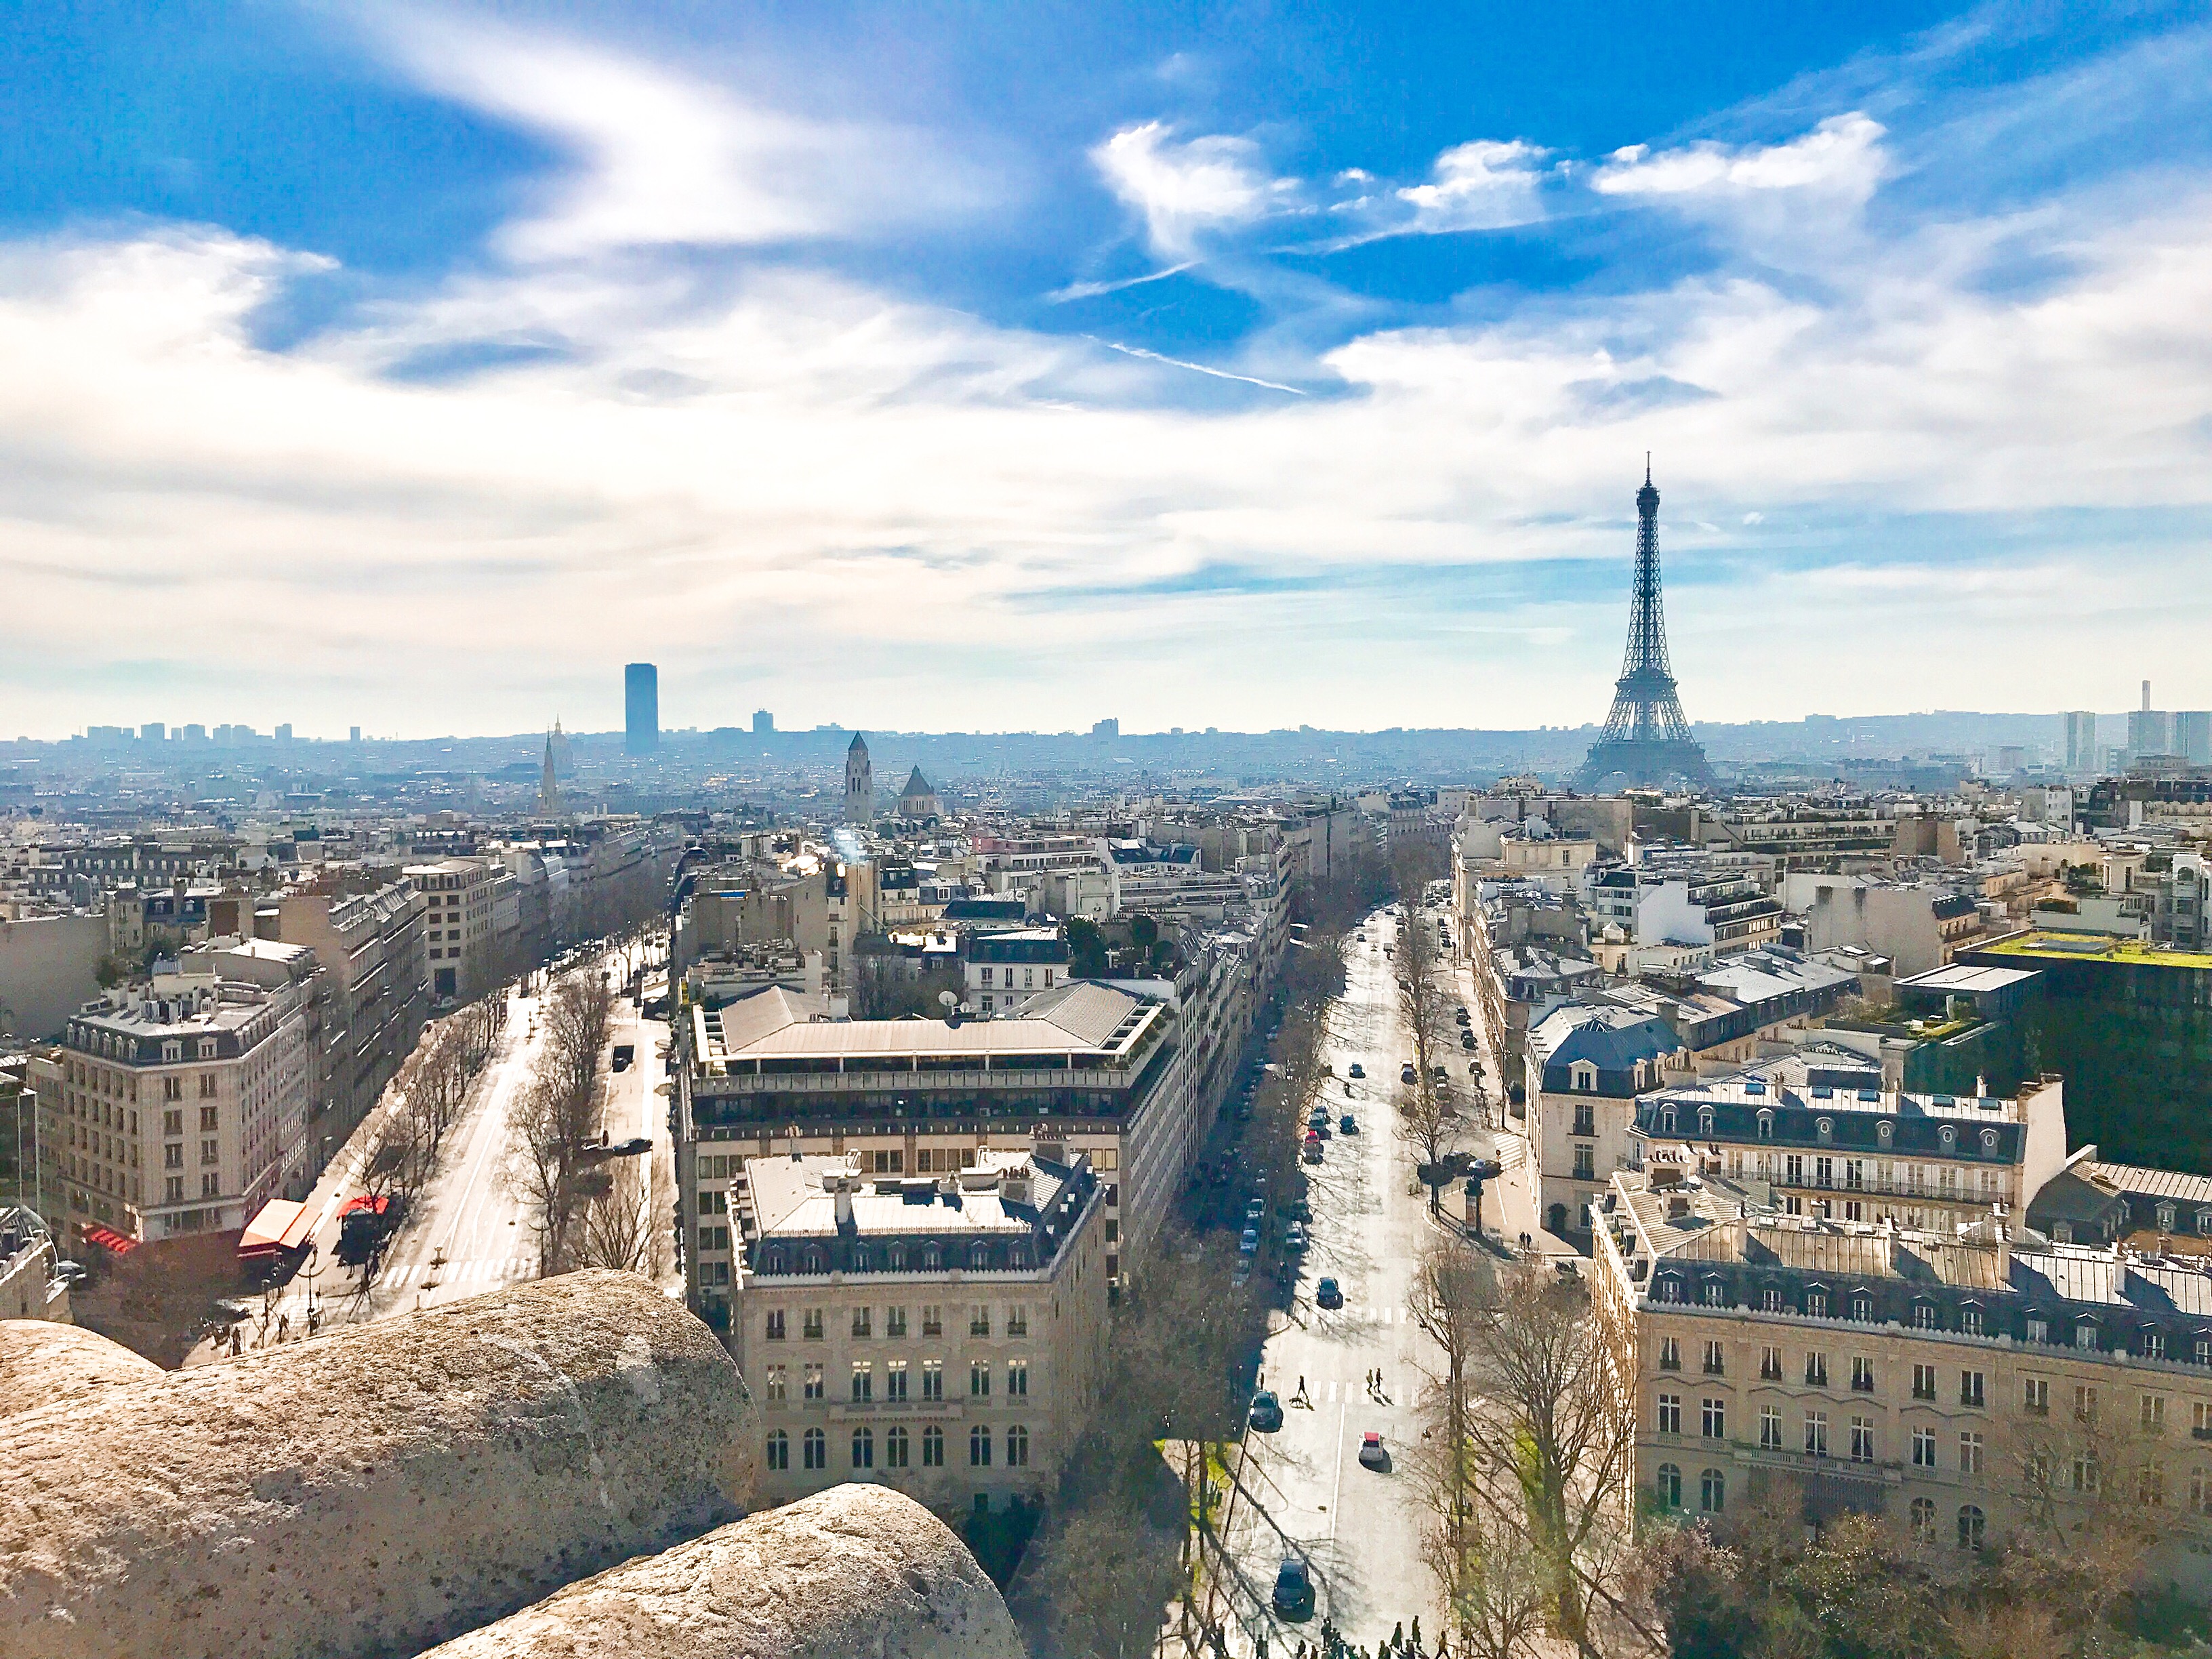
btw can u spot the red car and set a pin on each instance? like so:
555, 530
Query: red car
1371, 1452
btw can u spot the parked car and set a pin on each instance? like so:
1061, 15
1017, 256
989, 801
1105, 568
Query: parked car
1300, 1211
1318, 1118
1371, 1452
1294, 1236
1248, 1243
1347, 1125
1313, 1153
1255, 1211
1329, 1294
1437, 1072
1294, 1590
1405, 1072
625, 1055
1267, 1412
1355, 1069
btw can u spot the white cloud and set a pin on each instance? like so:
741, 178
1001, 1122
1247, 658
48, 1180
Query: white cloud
1186, 188
660, 157
1483, 185
1843, 156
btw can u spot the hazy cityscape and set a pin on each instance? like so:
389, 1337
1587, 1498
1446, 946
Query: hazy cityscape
1681, 1152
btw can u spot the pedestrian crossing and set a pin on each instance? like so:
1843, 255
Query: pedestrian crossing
494, 1272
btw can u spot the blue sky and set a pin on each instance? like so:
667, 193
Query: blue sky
998, 368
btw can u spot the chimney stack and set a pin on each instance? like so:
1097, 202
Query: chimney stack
2145, 696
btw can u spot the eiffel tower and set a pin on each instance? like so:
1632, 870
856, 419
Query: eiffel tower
1646, 741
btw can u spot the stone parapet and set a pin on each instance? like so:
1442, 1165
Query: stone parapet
373, 1490
858, 1569
42, 1362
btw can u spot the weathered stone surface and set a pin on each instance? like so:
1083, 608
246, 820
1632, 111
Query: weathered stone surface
373, 1490
41, 1362
856, 1571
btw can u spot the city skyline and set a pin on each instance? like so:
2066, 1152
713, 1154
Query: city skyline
1306, 373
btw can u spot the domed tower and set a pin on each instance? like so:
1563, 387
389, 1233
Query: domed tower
859, 784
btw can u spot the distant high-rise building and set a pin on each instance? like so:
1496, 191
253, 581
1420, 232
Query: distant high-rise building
194, 733
859, 784
154, 732
2081, 740
2149, 731
354, 736
2192, 736
1106, 728
285, 732
1646, 740
641, 707
763, 722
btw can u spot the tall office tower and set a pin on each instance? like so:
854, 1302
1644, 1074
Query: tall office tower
1646, 740
353, 734
859, 784
153, 732
2149, 730
641, 707
2192, 736
763, 723
2081, 740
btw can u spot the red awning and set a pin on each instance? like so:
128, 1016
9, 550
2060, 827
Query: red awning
108, 1239
282, 1226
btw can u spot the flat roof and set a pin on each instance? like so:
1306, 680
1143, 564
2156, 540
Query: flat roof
1968, 980
2052, 946
1082, 1019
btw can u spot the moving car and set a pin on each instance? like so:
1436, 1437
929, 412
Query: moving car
1355, 1069
1372, 1453
1327, 1294
1347, 1125
1294, 1590
1267, 1412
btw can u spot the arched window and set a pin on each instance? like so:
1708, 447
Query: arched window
979, 1448
772, 1261
1706, 1122
815, 1447
1924, 1520
1989, 1141
1666, 1120
895, 1449
1885, 1131
932, 1258
863, 1449
1018, 1447
778, 1450
895, 1258
813, 1262
1712, 1491
1766, 1126
1971, 1526
1826, 1128
933, 1447
860, 1258
1667, 1486
979, 1255
1948, 1136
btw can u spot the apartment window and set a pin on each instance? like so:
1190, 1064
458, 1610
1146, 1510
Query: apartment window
173, 1088
1715, 1360
2035, 1396
1670, 1413
1824, 1172
1715, 1419
1017, 1317
932, 1379
1018, 1379
1969, 1453
864, 1384
1770, 1428
895, 1322
1715, 1292
2085, 1472
2150, 1486
1816, 1434
1924, 1315
979, 1447
172, 1189
1585, 1163
978, 1320
813, 1382
979, 1380
1816, 1370
1862, 1374
1816, 1304
1970, 1319
933, 1447
173, 1156
1970, 1388
1712, 1491
2204, 1350
810, 1325
862, 1319
1667, 1486
777, 1391
1671, 1354
1770, 1364
173, 1123
895, 1380
1862, 1304
1924, 1520
778, 1450
1018, 1447
1924, 1448
2085, 1403
1923, 1382
1862, 1440
2085, 1335
1585, 1119
211, 1151
775, 1324
863, 1449
2153, 1413
1971, 1526
815, 1450
207, 1092
210, 1185
932, 1320
2200, 1423
2153, 1345
2200, 1491
894, 1448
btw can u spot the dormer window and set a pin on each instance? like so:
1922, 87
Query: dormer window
173, 1050
1885, 1131
1766, 1126
895, 1258
207, 1048
1666, 1120
2166, 1218
1988, 1141
1706, 1122
1826, 1128
812, 1262
932, 1258
1948, 1136
1583, 1076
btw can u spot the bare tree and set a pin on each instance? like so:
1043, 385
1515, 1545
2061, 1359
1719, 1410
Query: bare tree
1104, 1578
1449, 1299
616, 1229
556, 1119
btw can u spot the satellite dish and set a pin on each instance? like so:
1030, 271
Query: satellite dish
948, 999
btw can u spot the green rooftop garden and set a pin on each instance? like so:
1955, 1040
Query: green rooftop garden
2094, 947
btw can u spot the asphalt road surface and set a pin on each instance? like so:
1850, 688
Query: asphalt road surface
1304, 1491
